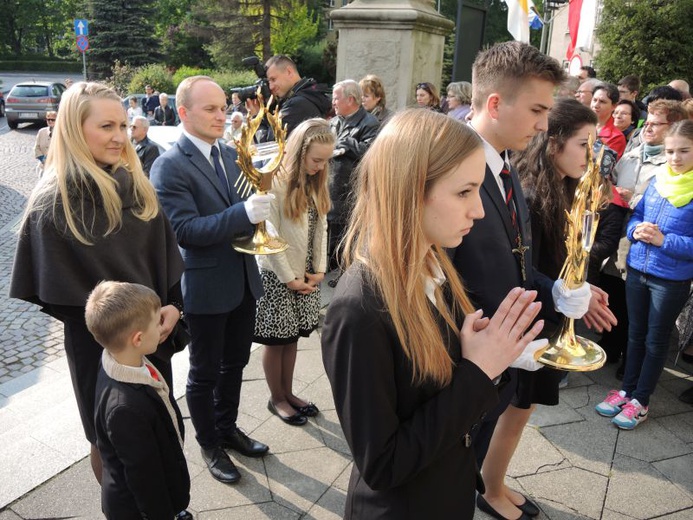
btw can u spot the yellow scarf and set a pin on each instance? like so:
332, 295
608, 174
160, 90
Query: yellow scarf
676, 188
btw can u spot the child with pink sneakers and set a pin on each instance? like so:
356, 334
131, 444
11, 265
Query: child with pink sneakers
660, 270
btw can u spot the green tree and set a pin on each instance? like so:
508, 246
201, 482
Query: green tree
293, 27
650, 38
182, 35
121, 30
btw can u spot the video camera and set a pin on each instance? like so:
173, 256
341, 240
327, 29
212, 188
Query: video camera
250, 92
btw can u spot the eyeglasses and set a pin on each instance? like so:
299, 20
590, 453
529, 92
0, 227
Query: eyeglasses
50, 119
654, 125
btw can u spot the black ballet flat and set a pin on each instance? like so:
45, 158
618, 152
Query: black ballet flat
310, 410
529, 507
485, 507
296, 419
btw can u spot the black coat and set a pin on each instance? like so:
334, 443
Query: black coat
410, 460
303, 101
145, 474
148, 152
354, 135
165, 116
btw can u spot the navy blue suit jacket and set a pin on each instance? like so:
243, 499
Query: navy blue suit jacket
206, 220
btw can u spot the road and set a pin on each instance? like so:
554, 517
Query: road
10, 79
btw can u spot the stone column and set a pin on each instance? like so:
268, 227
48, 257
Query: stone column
399, 41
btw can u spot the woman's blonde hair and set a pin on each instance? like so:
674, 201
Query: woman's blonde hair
74, 185
385, 233
301, 187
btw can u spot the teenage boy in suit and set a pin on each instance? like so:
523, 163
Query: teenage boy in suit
513, 85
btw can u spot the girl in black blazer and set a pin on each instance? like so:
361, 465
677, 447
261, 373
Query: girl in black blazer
408, 384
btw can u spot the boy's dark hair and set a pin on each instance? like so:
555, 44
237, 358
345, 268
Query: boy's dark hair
116, 309
591, 73
503, 66
611, 91
664, 92
631, 82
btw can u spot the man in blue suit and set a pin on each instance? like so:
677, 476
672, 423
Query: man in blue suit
194, 181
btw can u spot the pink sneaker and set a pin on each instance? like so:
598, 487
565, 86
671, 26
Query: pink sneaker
632, 414
612, 405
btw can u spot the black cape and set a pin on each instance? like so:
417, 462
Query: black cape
52, 268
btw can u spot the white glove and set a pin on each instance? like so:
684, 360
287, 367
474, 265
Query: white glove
572, 303
258, 207
526, 361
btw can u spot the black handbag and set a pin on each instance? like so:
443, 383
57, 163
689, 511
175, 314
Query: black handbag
180, 337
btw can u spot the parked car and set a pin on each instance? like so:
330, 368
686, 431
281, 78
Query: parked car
29, 102
2, 104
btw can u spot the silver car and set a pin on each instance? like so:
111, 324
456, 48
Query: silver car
28, 102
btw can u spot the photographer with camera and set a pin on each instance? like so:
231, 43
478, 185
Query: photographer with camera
298, 97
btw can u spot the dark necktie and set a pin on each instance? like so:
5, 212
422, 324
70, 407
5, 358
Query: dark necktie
220, 169
508, 187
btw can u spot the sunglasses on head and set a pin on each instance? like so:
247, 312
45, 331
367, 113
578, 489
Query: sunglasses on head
423, 86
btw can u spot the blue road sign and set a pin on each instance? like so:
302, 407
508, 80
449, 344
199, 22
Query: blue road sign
81, 27
82, 43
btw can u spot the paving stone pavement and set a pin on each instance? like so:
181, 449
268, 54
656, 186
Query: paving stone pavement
28, 338
571, 462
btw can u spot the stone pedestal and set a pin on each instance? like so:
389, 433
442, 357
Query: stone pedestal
399, 41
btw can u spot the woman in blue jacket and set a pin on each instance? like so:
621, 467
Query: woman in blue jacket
660, 270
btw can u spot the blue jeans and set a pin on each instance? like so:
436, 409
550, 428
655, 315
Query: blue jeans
653, 305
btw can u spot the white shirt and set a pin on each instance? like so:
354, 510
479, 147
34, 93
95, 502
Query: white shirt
494, 160
433, 282
204, 147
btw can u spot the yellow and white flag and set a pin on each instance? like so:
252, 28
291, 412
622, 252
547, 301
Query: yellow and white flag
518, 19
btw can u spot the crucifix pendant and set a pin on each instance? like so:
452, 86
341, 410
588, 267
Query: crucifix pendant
520, 250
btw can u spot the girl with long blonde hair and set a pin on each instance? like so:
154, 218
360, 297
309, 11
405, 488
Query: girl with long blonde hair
289, 309
411, 364
94, 216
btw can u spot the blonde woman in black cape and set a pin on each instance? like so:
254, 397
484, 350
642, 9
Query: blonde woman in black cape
94, 216
412, 365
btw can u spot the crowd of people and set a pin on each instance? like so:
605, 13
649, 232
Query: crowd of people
445, 222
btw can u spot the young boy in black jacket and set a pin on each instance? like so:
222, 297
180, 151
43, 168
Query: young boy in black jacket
139, 428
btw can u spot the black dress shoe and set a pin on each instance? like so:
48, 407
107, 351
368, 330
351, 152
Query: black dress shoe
486, 508
240, 442
687, 396
296, 419
184, 515
529, 507
220, 465
310, 410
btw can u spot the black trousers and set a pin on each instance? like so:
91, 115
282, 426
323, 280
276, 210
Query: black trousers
219, 351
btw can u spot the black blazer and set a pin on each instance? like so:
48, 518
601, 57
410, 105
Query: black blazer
144, 470
410, 460
485, 259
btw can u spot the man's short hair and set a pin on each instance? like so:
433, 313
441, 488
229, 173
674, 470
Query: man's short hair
350, 89
500, 68
611, 91
664, 92
144, 120
281, 61
115, 310
591, 73
184, 88
673, 109
631, 82
163, 95
236, 115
